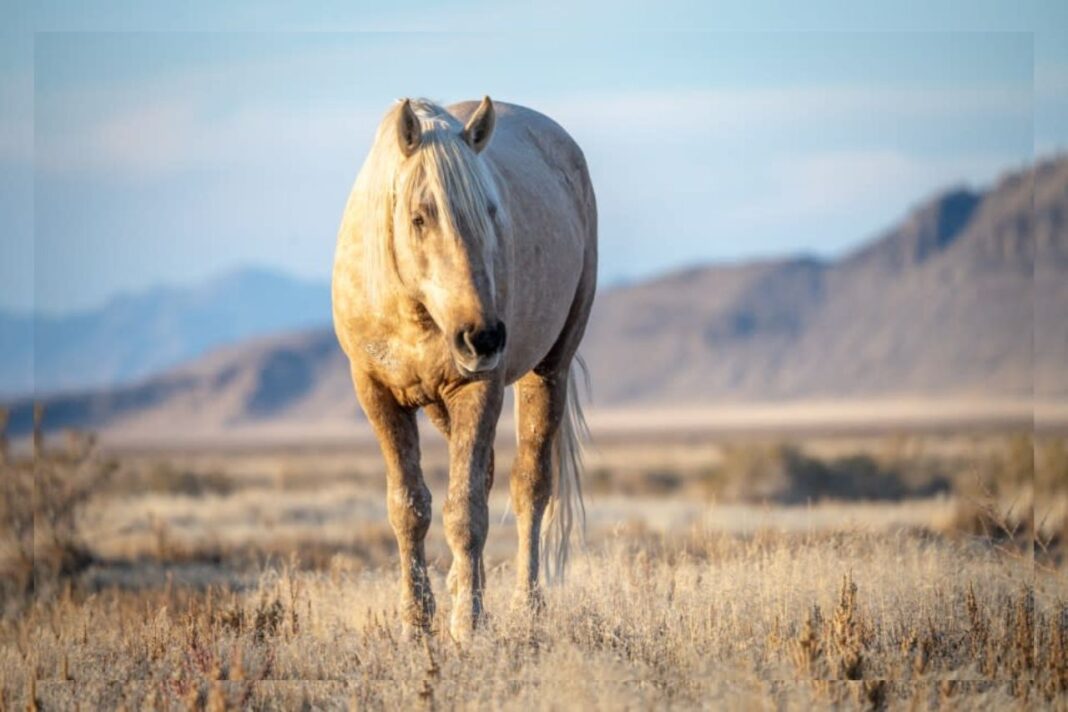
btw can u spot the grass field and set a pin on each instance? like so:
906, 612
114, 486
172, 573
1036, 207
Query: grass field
876, 571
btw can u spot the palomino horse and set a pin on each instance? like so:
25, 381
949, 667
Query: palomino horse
466, 261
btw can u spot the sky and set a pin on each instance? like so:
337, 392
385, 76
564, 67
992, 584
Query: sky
141, 143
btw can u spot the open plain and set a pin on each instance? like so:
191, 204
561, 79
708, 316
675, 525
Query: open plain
900, 570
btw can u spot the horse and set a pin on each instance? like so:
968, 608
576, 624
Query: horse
466, 262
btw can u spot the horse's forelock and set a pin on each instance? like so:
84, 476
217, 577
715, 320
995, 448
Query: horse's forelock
461, 187
443, 169
446, 170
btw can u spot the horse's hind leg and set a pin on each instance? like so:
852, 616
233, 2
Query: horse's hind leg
540, 401
407, 496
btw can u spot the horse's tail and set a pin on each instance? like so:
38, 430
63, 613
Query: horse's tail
565, 505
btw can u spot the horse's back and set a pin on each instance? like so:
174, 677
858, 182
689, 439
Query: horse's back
525, 140
518, 124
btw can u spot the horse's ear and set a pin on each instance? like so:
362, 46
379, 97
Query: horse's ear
409, 132
480, 126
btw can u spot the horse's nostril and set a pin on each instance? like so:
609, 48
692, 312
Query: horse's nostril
462, 341
466, 342
482, 342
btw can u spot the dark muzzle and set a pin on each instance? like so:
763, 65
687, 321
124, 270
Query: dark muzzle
480, 343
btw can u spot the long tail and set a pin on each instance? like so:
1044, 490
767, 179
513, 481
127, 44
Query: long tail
566, 507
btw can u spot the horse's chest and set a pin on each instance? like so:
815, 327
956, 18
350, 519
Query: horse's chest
413, 369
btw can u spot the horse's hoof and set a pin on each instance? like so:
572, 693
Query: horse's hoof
461, 634
462, 626
414, 632
418, 616
529, 601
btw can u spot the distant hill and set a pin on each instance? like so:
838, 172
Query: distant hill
966, 297
942, 304
136, 335
16, 354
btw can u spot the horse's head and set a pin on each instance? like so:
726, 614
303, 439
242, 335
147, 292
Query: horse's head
446, 223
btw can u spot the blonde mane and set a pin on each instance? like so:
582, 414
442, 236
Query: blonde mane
444, 171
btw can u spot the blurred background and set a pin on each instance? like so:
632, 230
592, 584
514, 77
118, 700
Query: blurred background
834, 268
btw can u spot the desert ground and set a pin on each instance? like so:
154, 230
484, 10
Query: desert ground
871, 569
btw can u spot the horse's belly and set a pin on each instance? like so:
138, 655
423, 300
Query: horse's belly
540, 305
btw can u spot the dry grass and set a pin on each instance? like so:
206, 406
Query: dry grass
268, 582
692, 621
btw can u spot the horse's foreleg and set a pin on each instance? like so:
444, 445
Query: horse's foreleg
407, 496
541, 407
473, 411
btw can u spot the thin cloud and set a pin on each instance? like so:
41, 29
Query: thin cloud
834, 183
1051, 82
169, 136
711, 110
16, 117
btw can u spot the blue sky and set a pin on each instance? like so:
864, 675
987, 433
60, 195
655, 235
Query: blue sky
132, 158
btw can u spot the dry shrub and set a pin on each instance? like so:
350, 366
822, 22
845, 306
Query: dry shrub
786, 474
1009, 640
808, 650
834, 648
847, 634
16, 521
599, 481
1017, 499
65, 480
1051, 500
1054, 643
163, 477
43, 497
1005, 523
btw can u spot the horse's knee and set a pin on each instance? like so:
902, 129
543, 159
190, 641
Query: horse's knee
466, 524
410, 511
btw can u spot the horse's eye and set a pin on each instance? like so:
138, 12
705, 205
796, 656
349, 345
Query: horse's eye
418, 221
492, 210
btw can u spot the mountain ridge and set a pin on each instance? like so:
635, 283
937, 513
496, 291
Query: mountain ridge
135, 335
942, 304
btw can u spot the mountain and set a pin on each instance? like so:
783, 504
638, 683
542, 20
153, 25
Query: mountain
942, 304
295, 376
967, 297
136, 335
16, 354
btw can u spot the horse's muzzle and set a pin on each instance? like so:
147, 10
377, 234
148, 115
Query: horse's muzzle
479, 349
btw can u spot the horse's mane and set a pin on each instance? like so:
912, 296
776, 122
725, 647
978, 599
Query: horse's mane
444, 170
